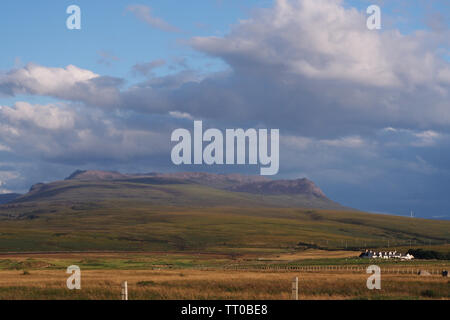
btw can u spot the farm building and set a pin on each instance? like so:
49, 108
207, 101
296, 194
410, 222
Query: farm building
369, 254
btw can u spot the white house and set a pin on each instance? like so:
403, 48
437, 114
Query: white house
369, 254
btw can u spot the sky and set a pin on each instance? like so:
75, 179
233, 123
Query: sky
363, 113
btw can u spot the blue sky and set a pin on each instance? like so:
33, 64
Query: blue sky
365, 114
106, 26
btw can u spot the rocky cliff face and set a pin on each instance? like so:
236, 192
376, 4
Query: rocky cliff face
279, 187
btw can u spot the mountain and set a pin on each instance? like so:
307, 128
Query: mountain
201, 212
195, 177
182, 189
211, 179
280, 187
231, 182
95, 175
8, 197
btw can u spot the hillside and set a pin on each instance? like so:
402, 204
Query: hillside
8, 197
181, 189
196, 211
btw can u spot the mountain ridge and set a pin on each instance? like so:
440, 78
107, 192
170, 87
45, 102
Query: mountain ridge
232, 182
180, 189
8, 197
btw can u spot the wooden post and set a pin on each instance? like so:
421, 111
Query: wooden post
124, 291
294, 295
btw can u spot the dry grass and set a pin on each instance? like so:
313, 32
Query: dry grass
313, 254
160, 275
216, 284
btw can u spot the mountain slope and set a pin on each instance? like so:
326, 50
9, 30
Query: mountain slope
96, 175
195, 212
181, 189
8, 197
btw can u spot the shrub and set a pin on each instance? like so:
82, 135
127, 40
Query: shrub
429, 254
428, 294
145, 283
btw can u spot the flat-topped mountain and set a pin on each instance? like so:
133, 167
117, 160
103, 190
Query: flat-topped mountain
200, 177
182, 189
104, 211
231, 182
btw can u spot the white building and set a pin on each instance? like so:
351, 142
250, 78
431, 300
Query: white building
369, 254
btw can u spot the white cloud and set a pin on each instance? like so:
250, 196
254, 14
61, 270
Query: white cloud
296, 142
4, 148
320, 39
395, 137
426, 138
444, 75
49, 117
346, 142
302, 143
63, 133
5, 177
70, 83
305, 60
180, 115
41, 80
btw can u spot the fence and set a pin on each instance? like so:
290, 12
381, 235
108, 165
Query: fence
334, 269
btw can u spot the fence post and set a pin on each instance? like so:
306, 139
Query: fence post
124, 291
294, 288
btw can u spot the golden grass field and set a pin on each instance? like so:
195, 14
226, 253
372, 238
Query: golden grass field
155, 276
217, 284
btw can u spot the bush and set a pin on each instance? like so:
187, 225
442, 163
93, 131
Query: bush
429, 254
145, 283
428, 294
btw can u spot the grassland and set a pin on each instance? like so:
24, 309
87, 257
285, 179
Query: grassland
130, 226
178, 241
153, 276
